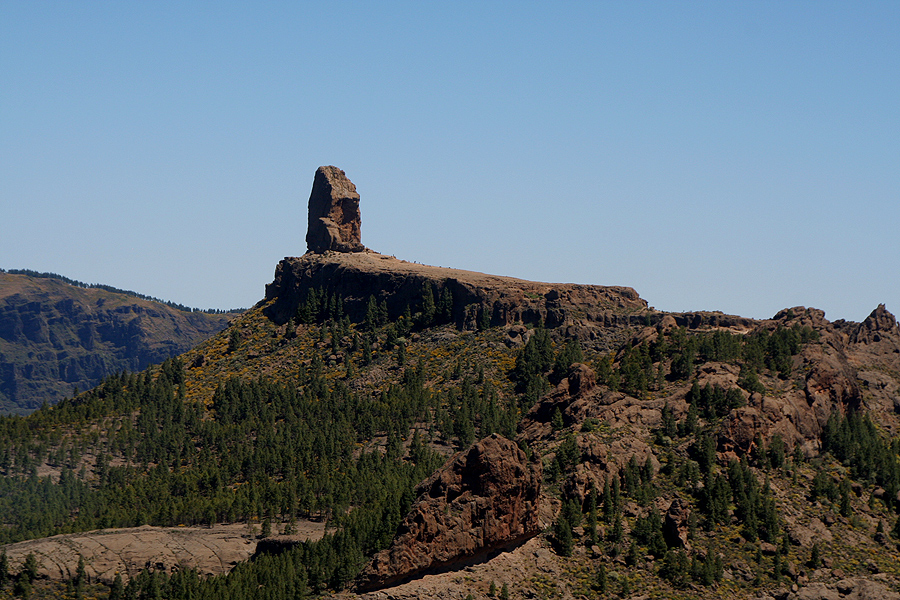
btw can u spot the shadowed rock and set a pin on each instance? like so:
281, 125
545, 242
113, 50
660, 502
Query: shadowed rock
334, 218
481, 501
676, 525
582, 379
590, 312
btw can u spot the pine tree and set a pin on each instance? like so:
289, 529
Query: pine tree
445, 305
29, 568
669, 428
815, 557
568, 354
428, 306
366, 351
608, 508
80, 576
556, 421
691, 421
484, 319
562, 531
675, 568
616, 495
617, 530
777, 566
592, 517
117, 591
371, 320
845, 498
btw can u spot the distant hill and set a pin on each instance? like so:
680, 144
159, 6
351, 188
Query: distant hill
57, 334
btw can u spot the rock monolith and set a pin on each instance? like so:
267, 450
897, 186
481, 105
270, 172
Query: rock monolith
334, 218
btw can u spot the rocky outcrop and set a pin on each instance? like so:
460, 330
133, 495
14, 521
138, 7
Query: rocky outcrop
338, 264
581, 379
209, 550
590, 312
876, 325
676, 526
481, 501
835, 372
855, 588
334, 218
848, 366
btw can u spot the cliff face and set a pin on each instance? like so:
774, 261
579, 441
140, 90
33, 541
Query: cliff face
55, 336
484, 499
337, 263
586, 309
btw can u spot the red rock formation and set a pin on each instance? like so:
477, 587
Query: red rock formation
589, 311
581, 379
876, 325
334, 218
482, 500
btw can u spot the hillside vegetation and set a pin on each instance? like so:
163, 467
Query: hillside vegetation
724, 457
57, 335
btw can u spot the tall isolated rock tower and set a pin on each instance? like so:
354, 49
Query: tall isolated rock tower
334, 219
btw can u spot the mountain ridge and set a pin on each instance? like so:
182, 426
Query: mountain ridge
674, 455
56, 335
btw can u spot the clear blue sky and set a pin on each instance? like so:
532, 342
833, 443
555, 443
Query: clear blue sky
742, 157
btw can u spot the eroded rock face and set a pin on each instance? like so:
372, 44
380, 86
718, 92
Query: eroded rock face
878, 323
334, 218
593, 313
582, 379
676, 524
482, 500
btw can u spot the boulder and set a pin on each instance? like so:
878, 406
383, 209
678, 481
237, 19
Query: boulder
334, 218
482, 501
581, 379
676, 525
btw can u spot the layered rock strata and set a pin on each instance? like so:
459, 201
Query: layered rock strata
581, 310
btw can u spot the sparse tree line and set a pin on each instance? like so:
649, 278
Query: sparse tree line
673, 356
718, 495
109, 288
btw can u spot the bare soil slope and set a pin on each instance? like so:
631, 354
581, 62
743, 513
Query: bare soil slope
210, 550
